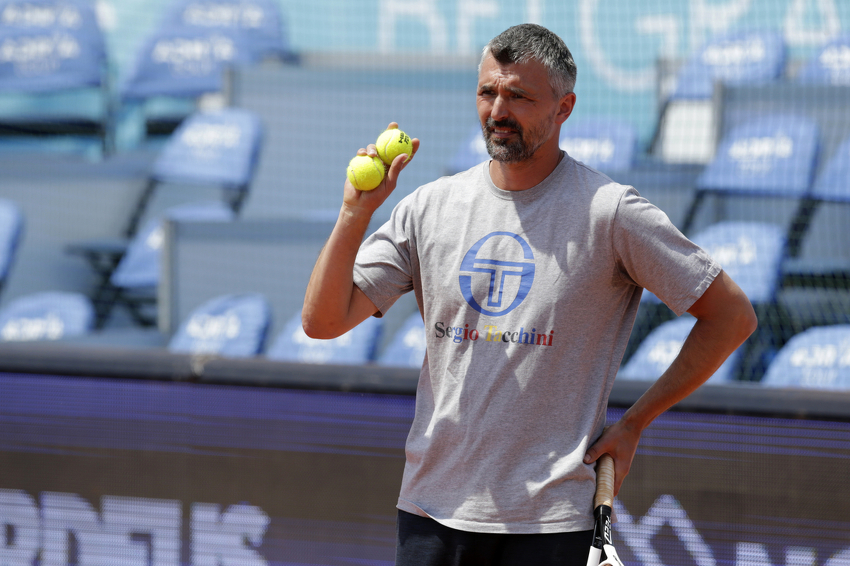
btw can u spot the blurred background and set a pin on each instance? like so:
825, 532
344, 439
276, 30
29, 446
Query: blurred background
169, 170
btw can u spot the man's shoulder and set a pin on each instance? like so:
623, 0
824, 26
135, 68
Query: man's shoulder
596, 185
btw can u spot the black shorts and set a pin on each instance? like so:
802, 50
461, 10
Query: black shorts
425, 542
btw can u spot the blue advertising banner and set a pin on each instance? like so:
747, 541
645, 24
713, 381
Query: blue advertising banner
122, 472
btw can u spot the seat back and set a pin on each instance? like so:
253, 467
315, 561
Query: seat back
357, 346
220, 147
217, 149
742, 57
53, 77
257, 22
139, 267
817, 358
186, 55
751, 254
660, 348
231, 325
50, 45
769, 155
833, 183
830, 65
407, 348
11, 228
46, 316
182, 63
604, 144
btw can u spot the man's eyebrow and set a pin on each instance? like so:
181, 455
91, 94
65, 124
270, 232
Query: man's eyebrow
488, 87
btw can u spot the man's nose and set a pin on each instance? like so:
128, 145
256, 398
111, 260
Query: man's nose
500, 109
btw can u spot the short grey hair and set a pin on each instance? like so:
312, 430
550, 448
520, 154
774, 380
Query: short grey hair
523, 42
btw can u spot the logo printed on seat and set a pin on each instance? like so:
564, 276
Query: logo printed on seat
496, 273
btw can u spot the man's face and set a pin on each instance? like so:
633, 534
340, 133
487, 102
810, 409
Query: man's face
517, 108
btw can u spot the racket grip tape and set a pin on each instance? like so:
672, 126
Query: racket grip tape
604, 482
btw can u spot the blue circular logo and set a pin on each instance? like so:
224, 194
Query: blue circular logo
497, 282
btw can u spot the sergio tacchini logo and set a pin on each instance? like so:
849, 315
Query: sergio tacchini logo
496, 273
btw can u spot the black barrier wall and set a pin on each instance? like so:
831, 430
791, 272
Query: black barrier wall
128, 471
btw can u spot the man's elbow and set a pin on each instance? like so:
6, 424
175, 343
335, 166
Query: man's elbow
746, 320
316, 328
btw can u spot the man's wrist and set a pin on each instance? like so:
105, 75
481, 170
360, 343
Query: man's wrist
354, 215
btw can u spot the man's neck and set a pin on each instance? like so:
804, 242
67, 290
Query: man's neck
525, 174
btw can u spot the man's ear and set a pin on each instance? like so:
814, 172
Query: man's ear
565, 108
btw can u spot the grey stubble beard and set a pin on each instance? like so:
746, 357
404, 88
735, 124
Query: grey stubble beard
513, 151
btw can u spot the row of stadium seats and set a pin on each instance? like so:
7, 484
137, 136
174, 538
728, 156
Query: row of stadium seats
237, 325
55, 74
817, 358
231, 325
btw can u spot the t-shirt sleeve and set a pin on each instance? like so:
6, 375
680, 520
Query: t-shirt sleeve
383, 269
652, 253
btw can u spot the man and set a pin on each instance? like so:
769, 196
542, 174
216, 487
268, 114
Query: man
528, 271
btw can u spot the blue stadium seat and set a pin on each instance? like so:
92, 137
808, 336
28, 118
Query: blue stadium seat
604, 144
736, 58
771, 155
53, 76
818, 358
139, 267
134, 281
659, 349
407, 348
11, 228
830, 65
46, 316
186, 56
257, 23
471, 152
219, 148
357, 346
231, 325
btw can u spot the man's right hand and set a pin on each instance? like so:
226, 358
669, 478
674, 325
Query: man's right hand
359, 202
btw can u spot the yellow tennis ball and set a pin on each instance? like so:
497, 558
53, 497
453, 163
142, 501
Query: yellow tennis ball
393, 143
365, 172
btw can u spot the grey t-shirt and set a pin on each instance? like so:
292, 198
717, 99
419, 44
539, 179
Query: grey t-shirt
528, 300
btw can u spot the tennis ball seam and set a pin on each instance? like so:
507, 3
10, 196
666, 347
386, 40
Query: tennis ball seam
367, 179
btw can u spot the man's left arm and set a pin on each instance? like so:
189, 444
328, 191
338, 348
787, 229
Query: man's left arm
725, 319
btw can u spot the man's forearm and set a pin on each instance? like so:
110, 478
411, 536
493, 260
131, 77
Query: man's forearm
328, 300
706, 348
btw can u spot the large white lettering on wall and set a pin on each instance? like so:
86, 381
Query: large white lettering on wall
128, 531
638, 535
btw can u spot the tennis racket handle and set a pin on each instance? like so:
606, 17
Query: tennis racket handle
604, 482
